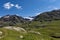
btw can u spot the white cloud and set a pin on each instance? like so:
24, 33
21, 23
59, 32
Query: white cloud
12, 4
18, 7
9, 5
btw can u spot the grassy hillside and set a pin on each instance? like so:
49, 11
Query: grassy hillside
47, 30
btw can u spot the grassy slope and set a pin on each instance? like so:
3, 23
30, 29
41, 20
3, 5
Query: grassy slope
46, 32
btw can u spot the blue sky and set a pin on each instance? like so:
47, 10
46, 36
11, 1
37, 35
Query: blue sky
27, 7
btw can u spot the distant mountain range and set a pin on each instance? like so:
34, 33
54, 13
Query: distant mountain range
46, 16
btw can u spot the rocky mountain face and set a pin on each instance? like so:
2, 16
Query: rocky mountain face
48, 16
11, 19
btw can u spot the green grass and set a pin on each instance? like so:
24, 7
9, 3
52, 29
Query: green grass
51, 28
14, 35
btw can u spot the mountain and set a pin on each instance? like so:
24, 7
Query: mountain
48, 16
13, 27
12, 19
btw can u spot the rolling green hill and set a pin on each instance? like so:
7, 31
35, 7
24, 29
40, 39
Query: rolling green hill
51, 31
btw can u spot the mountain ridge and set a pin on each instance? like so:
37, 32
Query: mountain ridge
45, 16
48, 16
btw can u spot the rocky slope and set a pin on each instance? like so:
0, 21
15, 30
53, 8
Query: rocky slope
11, 19
48, 16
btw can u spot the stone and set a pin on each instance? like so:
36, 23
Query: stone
21, 37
